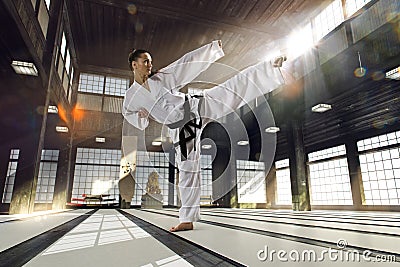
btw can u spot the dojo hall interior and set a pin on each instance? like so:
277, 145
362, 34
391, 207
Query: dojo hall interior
308, 174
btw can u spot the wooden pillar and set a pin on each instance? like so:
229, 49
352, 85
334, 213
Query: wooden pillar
62, 179
171, 177
71, 169
270, 186
224, 185
298, 167
353, 162
26, 176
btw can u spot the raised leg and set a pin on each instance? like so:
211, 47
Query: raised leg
244, 87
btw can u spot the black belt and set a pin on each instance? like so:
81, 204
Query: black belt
189, 120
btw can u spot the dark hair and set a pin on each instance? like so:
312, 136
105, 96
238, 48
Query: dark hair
134, 55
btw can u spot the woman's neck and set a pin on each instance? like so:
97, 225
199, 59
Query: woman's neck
140, 79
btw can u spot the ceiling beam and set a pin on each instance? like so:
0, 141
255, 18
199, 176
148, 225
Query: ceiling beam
208, 19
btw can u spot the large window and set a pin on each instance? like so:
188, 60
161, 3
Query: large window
352, 6
64, 66
116, 86
101, 93
380, 168
206, 175
328, 19
47, 176
329, 177
251, 181
99, 84
97, 173
283, 186
91, 83
10, 178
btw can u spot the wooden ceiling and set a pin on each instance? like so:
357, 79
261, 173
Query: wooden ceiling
105, 31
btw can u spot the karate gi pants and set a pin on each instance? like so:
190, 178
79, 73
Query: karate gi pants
218, 101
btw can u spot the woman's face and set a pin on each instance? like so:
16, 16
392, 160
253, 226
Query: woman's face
143, 64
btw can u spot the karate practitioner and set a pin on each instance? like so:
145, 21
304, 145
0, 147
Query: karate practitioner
157, 96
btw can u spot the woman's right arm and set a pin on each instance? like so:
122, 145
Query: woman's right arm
135, 115
134, 118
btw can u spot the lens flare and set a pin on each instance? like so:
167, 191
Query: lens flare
62, 113
132, 9
378, 75
138, 27
78, 113
360, 72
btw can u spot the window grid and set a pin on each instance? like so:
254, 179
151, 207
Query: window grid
283, 186
64, 65
116, 86
380, 172
330, 183
49, 155
91, 83
379, 141
352, 6
328, 19
327, 153
96, 173
47, 176
98, 156
206, 175
10, 178
146, 163
251, 181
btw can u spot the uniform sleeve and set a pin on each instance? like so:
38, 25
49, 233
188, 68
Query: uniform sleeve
133, 118
130, 112
187, 68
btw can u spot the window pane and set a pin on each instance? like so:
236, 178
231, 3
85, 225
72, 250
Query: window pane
91, 83
116, 86
63, 45
68, 61
10, 177
352, 6
250, 177
380, 177
97, 173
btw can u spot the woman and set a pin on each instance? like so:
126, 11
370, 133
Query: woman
157, 96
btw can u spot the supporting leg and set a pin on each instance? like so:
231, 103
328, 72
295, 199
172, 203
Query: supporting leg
189, 189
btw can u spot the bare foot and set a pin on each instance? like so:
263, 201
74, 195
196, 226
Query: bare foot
182, 227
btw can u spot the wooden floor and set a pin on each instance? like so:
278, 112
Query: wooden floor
223, 237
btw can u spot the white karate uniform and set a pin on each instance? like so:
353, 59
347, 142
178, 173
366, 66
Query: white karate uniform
165, 104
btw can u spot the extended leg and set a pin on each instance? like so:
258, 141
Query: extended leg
244, 87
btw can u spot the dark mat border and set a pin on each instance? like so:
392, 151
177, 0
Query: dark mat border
22, 253
189, 251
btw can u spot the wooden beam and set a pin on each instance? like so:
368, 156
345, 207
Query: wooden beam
207, 18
